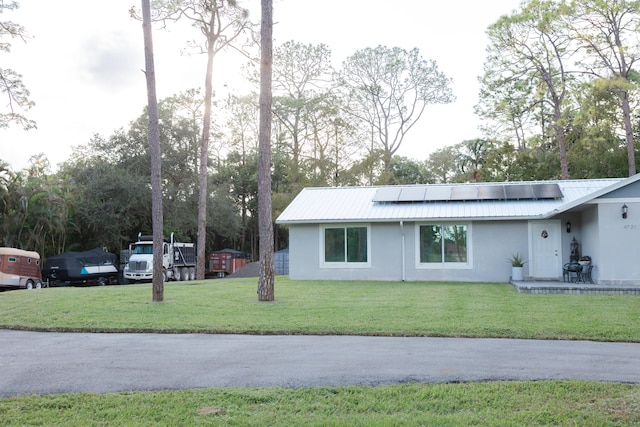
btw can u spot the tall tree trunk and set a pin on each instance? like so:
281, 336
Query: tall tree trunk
386, 175
266, 279
154, 145
561, 139
631, 149
204, 165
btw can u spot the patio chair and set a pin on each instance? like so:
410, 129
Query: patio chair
584, 274
570, 271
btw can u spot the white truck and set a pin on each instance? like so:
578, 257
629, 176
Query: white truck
178, 260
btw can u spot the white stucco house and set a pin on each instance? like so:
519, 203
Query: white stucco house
465, 232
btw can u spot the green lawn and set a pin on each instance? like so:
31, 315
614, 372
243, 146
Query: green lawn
372, 308
545, 403
357, 308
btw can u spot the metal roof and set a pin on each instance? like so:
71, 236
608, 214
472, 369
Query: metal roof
358, 204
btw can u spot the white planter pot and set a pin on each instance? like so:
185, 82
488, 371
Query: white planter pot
517, 273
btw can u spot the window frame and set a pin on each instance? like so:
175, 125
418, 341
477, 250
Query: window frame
444, 265
344, 264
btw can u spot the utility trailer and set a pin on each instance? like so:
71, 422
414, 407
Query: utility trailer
92, 267
19, 269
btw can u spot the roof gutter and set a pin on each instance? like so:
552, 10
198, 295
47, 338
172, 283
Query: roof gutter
430, 219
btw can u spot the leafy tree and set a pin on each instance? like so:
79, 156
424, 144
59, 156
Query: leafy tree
179, 130
333, 142
11, 86
442, 164
242, 161
222, 23
242, 123
390, 89
239, 175
282, 195
408, 171
471, 157
368, 170
301, 78
595, 149
540, 163
501, 163
598, 157
8, 187
505, 108
532, 46
607, 32
126, 152
37, 210
506, 163
112, 205
224, 214
240, 170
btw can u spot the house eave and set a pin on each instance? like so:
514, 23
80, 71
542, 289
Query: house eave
413, 219
590, 198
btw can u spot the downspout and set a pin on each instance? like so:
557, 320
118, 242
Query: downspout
402, 254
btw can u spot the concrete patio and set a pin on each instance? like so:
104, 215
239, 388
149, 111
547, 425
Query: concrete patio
561, 287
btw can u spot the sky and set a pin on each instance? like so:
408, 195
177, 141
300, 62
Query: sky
84, 64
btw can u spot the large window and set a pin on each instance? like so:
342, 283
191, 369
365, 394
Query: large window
443, 245
345, 246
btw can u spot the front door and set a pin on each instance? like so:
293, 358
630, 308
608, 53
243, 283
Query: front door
545, 242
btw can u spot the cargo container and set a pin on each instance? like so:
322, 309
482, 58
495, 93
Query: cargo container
226, 261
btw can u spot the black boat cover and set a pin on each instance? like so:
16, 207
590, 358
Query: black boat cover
81, 267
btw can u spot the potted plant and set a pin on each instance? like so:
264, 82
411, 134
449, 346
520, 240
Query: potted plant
517, 266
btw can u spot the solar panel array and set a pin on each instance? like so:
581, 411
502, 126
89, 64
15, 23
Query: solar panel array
446, 193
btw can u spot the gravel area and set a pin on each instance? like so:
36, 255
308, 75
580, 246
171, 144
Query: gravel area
252, 269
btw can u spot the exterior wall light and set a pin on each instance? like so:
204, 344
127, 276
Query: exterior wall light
568, 226
625, 210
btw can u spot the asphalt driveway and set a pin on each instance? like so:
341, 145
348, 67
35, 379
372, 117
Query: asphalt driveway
49, 363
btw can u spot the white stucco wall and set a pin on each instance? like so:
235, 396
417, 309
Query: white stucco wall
304, 255
576, 227
618, 261
590, 241
492, 242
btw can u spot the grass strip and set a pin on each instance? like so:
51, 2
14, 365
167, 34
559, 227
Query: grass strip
544, 403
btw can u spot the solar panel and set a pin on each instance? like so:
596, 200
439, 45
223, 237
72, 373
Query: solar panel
438, 193
387, 194
491, 192
463, 192
547, 191
412, 194
518, 192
